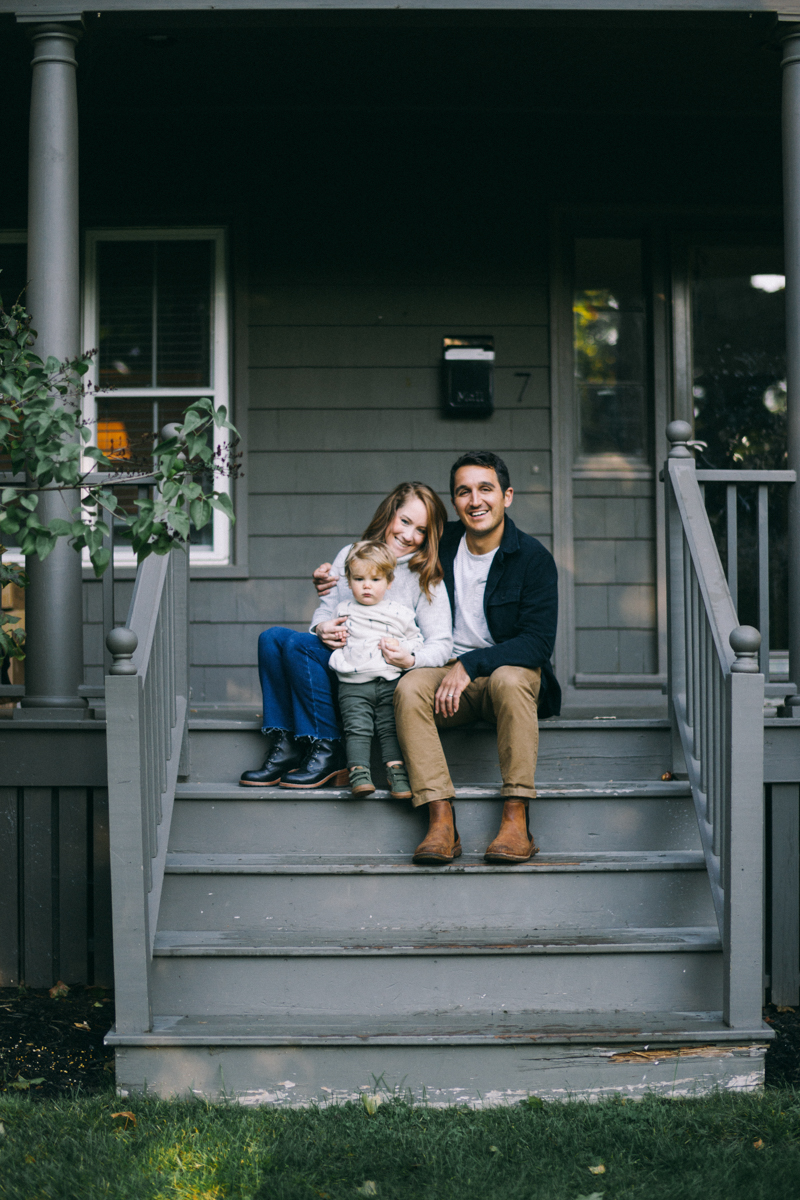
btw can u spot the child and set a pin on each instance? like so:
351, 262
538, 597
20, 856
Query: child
366, 680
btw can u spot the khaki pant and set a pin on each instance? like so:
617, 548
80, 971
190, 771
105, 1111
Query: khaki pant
507, 698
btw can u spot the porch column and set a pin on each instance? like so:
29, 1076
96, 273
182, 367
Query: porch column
791, 217
53, 608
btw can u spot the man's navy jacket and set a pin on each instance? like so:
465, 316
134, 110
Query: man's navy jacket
521, 607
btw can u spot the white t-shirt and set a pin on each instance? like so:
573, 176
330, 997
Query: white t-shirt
470, 630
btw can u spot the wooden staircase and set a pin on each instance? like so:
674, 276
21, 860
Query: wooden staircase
300, 957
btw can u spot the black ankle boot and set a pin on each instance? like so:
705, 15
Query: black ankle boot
284, 754
324, 762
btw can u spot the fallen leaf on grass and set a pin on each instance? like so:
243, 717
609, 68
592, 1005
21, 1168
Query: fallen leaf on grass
2, 1129
372, 1104
600, 1170
784, 1008
594, 1196
495, 1150
82, 1025
758, 1144
22, 1084
127, 1115
368, 1188
58, 990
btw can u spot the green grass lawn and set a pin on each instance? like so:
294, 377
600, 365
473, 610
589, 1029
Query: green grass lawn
718, 1148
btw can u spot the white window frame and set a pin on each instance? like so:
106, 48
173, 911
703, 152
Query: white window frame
219, 553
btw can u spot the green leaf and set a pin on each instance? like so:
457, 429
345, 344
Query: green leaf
200, 512
44, 545
29, 502
59, 527
7, 495
222, 501
100, 560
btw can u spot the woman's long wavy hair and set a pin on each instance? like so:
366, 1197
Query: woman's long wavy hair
425, 562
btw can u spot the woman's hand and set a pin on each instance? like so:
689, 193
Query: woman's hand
395, 655
323, 579
448, 694
332, 633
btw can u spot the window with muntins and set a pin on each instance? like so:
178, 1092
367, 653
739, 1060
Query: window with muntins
156, 310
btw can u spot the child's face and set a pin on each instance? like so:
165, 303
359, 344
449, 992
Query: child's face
366, 583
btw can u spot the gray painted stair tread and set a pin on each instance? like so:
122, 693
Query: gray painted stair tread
249, 943
634, 790
552, 723
385, 864
448, 1028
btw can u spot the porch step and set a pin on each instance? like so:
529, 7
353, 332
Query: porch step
247, 943
460, 1058
390, 973
316, 893
577, 818
644, 1029
607, 749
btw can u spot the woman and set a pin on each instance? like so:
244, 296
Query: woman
305, 748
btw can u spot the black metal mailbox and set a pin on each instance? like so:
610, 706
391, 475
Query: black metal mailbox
468, 376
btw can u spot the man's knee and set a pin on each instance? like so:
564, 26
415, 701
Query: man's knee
507, 682
415, 689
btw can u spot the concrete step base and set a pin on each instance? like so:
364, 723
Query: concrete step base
466, 1059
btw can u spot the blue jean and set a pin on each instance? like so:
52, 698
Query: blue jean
296, 684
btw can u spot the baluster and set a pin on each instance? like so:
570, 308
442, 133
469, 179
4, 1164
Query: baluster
173, 713
701, 668
763, 577
713, 806
152, 752
695, 678
160, 706
731, 502
688, 647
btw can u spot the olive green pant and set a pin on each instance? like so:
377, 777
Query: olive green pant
367, 708
507, 698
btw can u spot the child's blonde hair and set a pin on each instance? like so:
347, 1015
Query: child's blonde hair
376, 554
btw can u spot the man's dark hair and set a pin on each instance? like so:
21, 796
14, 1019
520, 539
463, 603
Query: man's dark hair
481, 458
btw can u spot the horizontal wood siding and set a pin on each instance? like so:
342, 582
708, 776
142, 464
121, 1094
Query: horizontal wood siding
344, 386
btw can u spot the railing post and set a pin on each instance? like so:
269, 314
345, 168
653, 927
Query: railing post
742, 933
180, 567
678, 435
128, 836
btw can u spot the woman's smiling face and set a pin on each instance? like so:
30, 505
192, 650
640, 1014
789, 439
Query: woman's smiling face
408, 528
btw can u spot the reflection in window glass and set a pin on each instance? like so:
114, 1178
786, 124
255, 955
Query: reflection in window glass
127, 429
155, 313
609, 340
739, 393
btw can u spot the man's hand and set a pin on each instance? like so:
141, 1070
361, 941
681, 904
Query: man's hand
448, 693
332, 633
323, 579
394, 654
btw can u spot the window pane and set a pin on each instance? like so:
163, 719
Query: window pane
184, 313
125, 283
125, 429
13, 273
739, 355
739, 387
609, 341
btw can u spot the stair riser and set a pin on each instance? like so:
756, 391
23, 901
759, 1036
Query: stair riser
382, 986
564, 754
284, 826
482, 1076
516, 902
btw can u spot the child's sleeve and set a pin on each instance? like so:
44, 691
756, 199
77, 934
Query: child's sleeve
411, 639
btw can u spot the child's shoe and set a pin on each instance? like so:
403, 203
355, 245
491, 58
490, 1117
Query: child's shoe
361, 782
399, 787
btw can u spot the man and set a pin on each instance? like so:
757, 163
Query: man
504, 595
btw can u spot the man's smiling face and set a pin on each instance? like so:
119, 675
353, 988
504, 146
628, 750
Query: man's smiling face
479, 500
